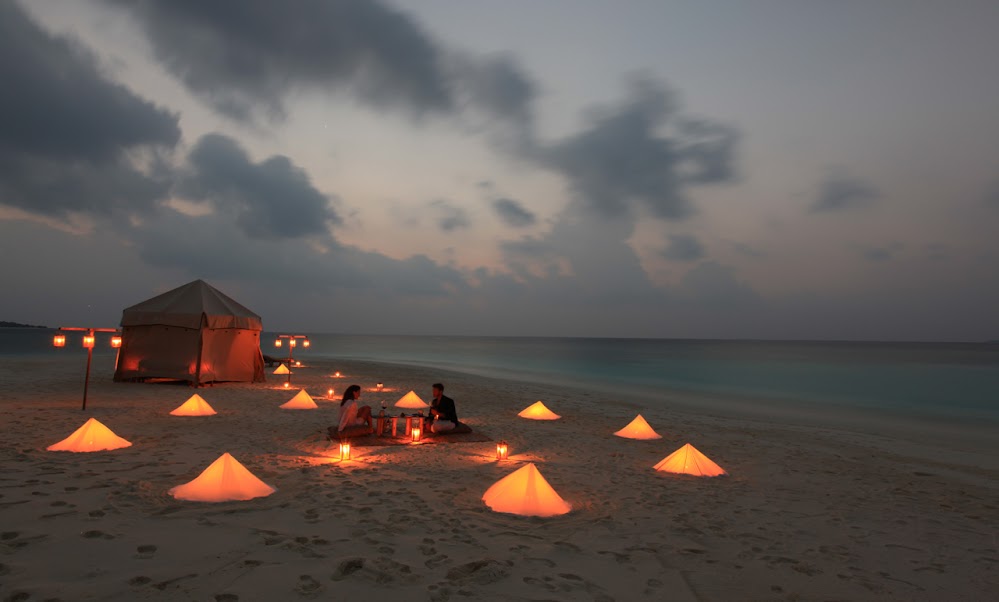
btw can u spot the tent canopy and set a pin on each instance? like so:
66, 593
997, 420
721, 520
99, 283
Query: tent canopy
185, 305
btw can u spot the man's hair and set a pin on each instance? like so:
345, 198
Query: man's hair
438, 386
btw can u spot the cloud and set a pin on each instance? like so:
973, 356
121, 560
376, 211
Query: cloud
69, 138
495, 85
840, 192
513, 213
715, 286
625, 157
450, 216
878, 254
270, 199
683, 247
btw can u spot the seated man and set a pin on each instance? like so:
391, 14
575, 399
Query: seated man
354, 419
443, 416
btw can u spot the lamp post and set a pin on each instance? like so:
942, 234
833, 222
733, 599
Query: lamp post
293, 340
59, 340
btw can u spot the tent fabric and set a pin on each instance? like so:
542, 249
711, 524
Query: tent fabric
538, 411
525, 492
193, 333
91, 437
689, 460
411, 401
224, 480
194, 406
638, 429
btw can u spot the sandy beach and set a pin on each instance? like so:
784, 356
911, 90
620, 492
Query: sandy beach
806, 513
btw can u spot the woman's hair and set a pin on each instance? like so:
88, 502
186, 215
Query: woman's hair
348, 395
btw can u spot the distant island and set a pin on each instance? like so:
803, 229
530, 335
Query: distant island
16, 325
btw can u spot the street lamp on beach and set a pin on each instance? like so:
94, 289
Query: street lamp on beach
59, 340
293, 341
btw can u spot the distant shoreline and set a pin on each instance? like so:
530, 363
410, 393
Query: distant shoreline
17, 325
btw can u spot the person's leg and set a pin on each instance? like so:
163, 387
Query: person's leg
364, 413
441, 426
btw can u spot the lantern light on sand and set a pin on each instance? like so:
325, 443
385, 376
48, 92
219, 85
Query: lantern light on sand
502, 450
345, 449
525, 492
411, 401
224, 480
92, 436
59, 340
194, 406
638, 429
301, 401
689, 460
538, 411
417, 432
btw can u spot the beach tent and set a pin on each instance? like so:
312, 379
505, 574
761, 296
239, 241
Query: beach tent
224, 480
92, 436
525, 492
193, 333
688, 460
194, 406
538, 411
411, 401
282, 369
301, 401
638, 429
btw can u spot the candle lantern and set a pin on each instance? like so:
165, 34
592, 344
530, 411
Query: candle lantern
287, 385
59, 340
298, 364
417, 433
306, 343
292, 342
88, 341
379, 386
502, 450
336, 374
329, 393
345, 450
116, 341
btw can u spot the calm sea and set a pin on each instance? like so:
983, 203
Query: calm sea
958, 381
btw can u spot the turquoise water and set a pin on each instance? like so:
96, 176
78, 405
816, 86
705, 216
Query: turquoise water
959, 381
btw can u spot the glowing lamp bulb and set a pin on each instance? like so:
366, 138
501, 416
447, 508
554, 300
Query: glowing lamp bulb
502, 450
59, 340
277, 342
292, 343
329, 393
88, 341
116, 341
306, 343
345, 450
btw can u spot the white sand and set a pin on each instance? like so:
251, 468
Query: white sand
808, 513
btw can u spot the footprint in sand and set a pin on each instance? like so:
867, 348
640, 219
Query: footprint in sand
226, 598
140, 580
145, 552
307, 585
482, 572
17, 597
347, 568
96, 535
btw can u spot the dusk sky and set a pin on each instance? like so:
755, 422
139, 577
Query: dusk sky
694, 169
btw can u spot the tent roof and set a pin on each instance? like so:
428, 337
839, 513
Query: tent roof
184, 306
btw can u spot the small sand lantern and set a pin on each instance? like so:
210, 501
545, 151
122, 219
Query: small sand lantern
88, 341
59, 340
329, 393
116, 341
417, 433
502, 450
379, 386
298, 364
287, 385
336, 374
277, 342
345, 450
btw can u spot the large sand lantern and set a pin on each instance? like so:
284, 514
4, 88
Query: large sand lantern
638, 429
301, 401
92, 436
689, 460
224, 480
525, 492
194, 406
538, 411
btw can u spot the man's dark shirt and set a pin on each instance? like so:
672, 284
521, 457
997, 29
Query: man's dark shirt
446, 407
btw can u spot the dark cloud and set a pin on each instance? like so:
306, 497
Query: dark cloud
270, 199
625, 157
840, 192
496, 85
513, 213
68, 136
683, 247
450, 216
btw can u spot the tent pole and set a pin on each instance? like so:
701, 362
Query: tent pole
86, 380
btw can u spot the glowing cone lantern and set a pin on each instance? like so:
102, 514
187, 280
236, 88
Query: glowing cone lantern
91, 437
525, 492
282, 369
411, 401
224, 480
301, 401
194, 406
688, 460
638, 429
538, 411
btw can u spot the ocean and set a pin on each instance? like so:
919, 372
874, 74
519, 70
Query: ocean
957, 382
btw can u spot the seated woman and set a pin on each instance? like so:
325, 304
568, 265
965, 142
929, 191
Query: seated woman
351, 414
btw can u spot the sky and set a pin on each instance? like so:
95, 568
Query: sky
686, 169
